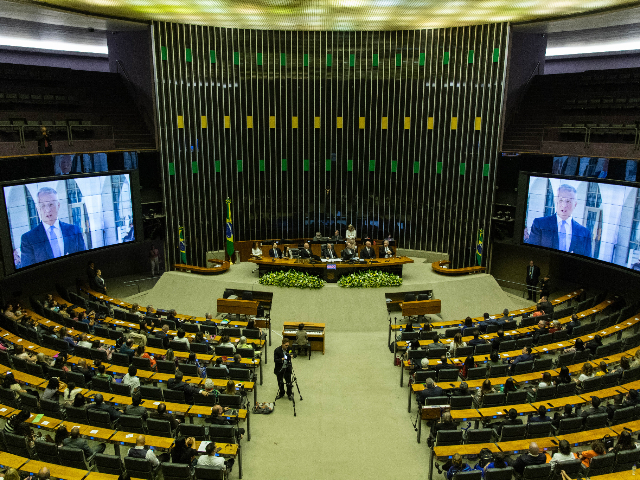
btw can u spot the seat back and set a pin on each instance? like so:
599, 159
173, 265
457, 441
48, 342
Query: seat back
476, 373
252, 333
178, 346
566, 389
120, 359
222, 433
542, 364
537, 471
493, 399
77, 415
448, 437
151, 393
159, 428
444, 400
241, 374
233, 401
538, 429
408, 336
560, 336
601, 464
46, 452
570, 425
101, 384
498, 371
546, 393
166, 366
99, 418
524, 342
154, 342
596, 421
622, 415
523, 367
72, 457
507, 345
217, 372
142, 363
196, 431
121, 389
499, 473
470, 475
414, 354
422, 375
513, 432
479, 435
565, 359
461, 403
30, 402
483, 349
515, 398
205, 400
173, 396
221, 351
581, 357
16, 445
138, 467
609, 381
131, 423
201, 348
448, 375
571, 467
209, 473
51, 408
109, 464
176, 471
591, 384
625, 459
630, 375
464, 352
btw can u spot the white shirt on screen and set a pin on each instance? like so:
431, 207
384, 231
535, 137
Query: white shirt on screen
567, 229
60, 240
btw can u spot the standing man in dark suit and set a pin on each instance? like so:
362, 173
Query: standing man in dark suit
328, 251
44, 141
305, 251
367, 252
275, 252
533, 274
561, 231
283, 370
385, 250
51, 238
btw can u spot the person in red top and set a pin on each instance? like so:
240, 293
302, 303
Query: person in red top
142, 354
597, 448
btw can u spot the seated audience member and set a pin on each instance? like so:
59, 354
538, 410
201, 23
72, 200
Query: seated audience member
614, 404
566, 413
52, 390
457, 465
328, 251
468, 364
140, 352
625, 365
593, 345
468, 325
542, 330
100, 346
256, 251
135, 310
162, 414
183, 451
237, 362
164, 335
385, 250
494, 359
21, 353
98, 404
11, 314
84, 342
84, 369
431, 390
10, 383
541, 416
231, 388
457, 343
461, 391
367, 252
127, 349
532, 457
556, 326
211, 459
635, 360
525, 357
513, 419
601, 370
17, 425
578, 346
179, 385
102, 374
586, 373
70, 393
597, 448
131, 379
243, 344
220, 364
632, 398
225, 342
445, 423
182, 339
61, 434
79, 401
544, 383
498, 462
575, 322
275, 252
563, 454
140, 451
76, 441
509, 386
625, 442
476, 340
135, 408
495, 343
485, 389
545, 305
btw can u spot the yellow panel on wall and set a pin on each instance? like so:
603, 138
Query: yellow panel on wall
227, 121
249, 121
478, 123
362, 123
203, 121
316, 122
384, 123
339, 122
430, 123
180, 121
294, 122
407, 123
454, 123
272, 121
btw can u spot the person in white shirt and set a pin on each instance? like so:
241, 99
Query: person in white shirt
139, 451
210, 459
131, 379
564, 454
182, 339
256, 251
351, 233
84, 342
224, 342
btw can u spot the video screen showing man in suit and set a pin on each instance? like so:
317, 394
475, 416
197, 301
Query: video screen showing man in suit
599, 220
49, 220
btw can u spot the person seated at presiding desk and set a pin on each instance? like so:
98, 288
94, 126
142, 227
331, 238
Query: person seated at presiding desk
140, 451
431, 390
351, 233
275, 252
533, 457
75, 441
337, 237
305, 251
350, 251
367, 251
329, 252
385, 250
256, 251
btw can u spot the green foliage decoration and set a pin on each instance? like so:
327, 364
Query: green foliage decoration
291, 279
370, 279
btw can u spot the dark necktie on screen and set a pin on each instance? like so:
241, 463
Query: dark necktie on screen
562, 237
55, 248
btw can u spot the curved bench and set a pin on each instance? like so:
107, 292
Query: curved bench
440, 267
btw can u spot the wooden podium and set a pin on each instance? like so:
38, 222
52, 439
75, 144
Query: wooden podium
240, 307
422, 307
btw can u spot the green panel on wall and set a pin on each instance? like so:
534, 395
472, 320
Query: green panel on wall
463, 168
439, 167
496, 55
261, 165
236, 58
305, 165
212, 56
398, 59
284, 164
422, 59
416, 167
187, 54
258, 59
217, 166
352, 60
445, 58
327, 165
283, 59
485, 170
194, 167
239, 162
172, 168
329, 60
349, 165
470, 59
372, 165
163, 52
394, 166
374, 60
305, 60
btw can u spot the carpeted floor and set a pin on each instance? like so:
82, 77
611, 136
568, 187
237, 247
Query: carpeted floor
353, 421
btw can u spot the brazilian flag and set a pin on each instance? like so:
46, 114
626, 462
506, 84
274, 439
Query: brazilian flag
183, 247
479, 247
229, 230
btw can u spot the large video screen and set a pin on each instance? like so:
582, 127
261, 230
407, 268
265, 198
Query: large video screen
592, 219
51, 219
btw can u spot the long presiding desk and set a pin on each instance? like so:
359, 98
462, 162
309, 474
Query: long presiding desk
330, 271
315, 333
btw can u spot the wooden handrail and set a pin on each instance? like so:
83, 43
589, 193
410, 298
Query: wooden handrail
439, 267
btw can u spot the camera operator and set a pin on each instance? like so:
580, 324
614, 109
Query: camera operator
283, 368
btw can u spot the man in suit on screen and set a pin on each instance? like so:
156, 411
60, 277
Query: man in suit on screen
561, 231
51, 238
